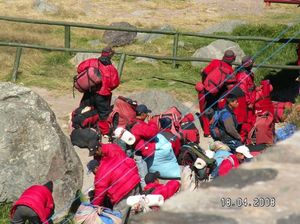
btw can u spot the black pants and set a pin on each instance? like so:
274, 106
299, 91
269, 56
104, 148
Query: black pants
23, 214
99, 102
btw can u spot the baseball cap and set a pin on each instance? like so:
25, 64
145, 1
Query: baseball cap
107, 52
92, 165
229, 56
142, 108
244, 150
150, 177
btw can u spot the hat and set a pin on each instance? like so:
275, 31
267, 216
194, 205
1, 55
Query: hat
92, 165
49, 185
244, 150
93, 146
247, 61
150, 177
229, 56
142, 108
165, 122
107, 52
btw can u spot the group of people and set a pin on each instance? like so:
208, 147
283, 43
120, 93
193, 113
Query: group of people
229, 104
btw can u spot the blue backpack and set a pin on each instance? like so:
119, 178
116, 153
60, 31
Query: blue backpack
214, 126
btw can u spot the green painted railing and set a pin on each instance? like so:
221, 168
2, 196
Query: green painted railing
67, 42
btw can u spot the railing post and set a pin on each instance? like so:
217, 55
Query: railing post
175, 47
121, 64
16, 64
67, 36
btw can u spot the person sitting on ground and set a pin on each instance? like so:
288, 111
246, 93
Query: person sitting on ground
228, 124
154, 187
116, 177
35, 205
233, 161
165, 124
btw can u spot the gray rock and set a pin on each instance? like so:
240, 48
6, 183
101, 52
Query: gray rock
216, 50
149, 37
45, 7
226, 27
79, 57
145, 60
94, 43
180, 218
119, 38
158, 101
291, 219
33, 148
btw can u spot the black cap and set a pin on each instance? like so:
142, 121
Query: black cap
92, 165
150, 177
142, 108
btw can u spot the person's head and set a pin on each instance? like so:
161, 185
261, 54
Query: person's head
49, 185
92, 166
232, 101
247, 62
95, 149
142, 111
152, 177
107, 52
243, 152
165, 123
229, 56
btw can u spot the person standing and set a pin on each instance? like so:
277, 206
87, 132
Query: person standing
100, 96
35, 205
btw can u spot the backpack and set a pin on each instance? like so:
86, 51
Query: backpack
87, 79
190, 132
85, 137
279, 110
84, 117
189, 153
90, 214
263, 130
123, 112
175, 115
214, 125
216, 78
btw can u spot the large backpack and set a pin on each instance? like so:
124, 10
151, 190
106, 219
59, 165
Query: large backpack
123, 112
87, 79
189, 154
279, 110
263, 131
85, 137
175, 115
84, 117
214, 125
216, 78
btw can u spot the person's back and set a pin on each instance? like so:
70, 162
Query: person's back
37, 198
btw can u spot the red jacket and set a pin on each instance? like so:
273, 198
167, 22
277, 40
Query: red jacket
217, 63
110, 76
116, 176
144, 134
227, 165
167, 190
39, 199
246, 83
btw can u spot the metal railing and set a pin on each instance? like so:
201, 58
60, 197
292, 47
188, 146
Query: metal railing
67, 42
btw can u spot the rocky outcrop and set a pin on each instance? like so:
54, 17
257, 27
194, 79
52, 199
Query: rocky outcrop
264, 191
119, 38
33, 147
216, 50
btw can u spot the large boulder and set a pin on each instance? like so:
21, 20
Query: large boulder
33, 148
265, 190
216, 50
119, 38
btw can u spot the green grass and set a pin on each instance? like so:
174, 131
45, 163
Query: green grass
4, 212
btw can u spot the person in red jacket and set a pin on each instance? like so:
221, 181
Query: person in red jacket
207, 96
233, 161
35, 205
100, 96
165, 124
154, 187
116, 177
